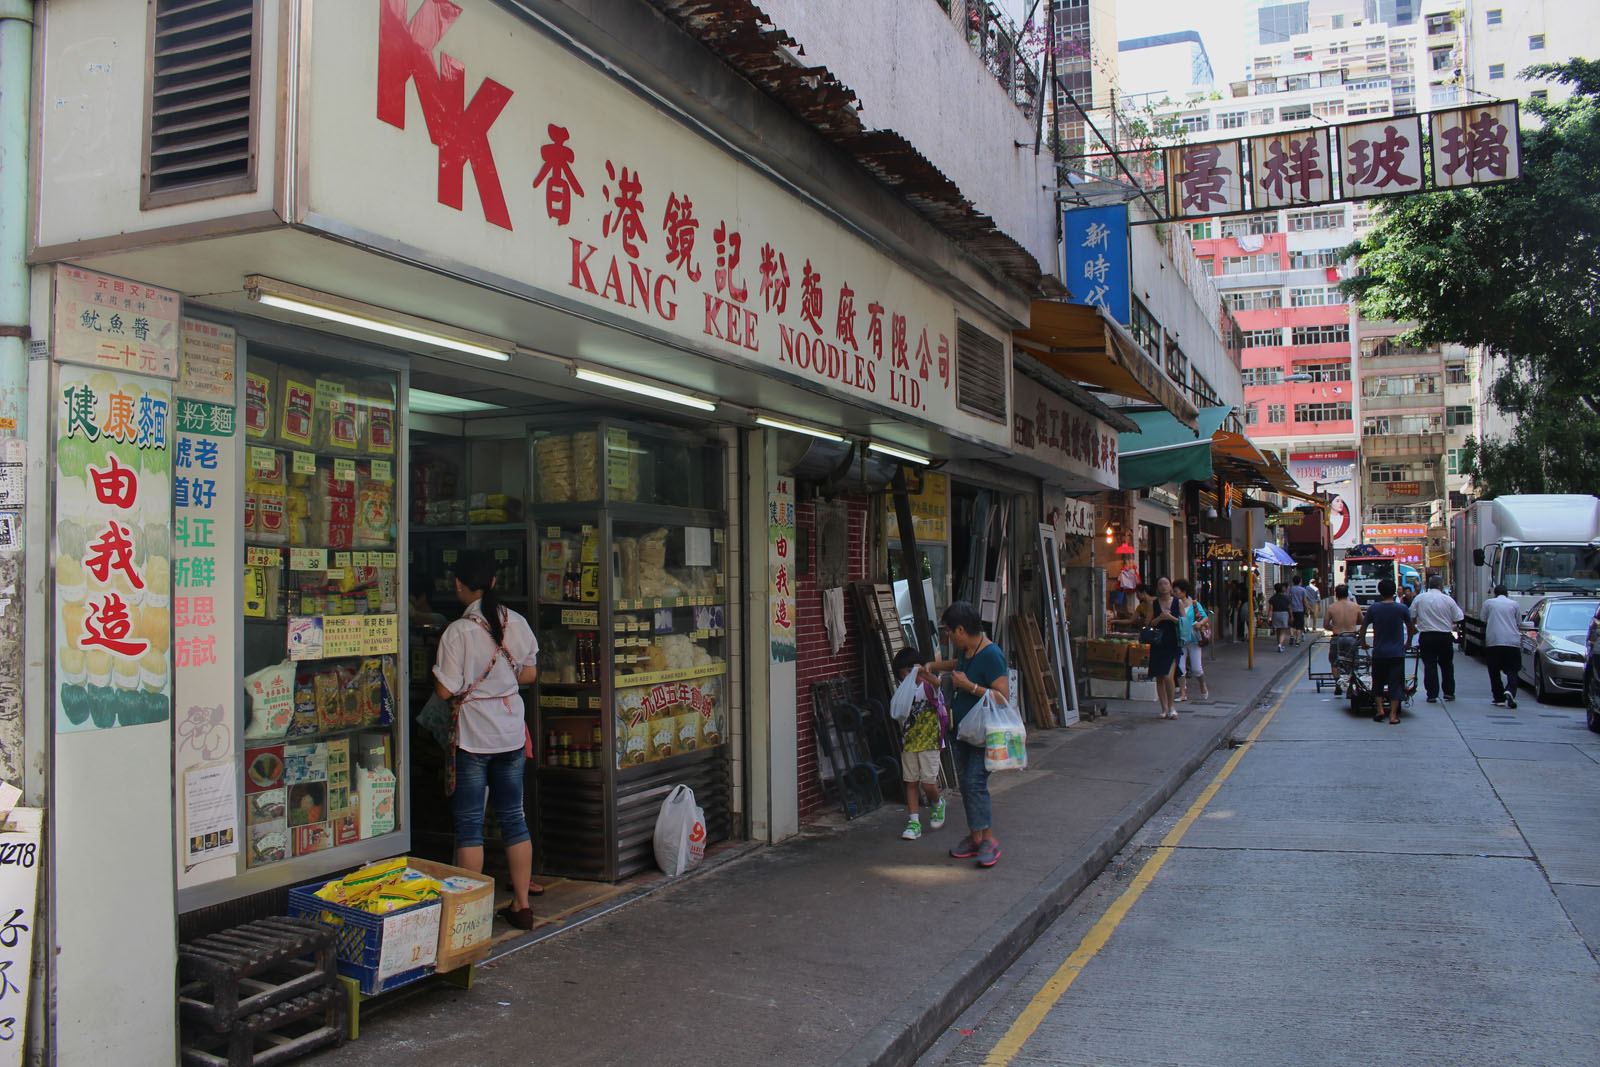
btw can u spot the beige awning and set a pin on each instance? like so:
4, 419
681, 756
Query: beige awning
1079, 342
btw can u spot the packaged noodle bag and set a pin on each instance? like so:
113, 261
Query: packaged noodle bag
378, 437
296, 401
260, 392
337, 424
374, 511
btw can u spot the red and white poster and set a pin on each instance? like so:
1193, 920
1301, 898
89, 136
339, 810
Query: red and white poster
1334, 473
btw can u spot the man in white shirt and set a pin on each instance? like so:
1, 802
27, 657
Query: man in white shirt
1437, 617
1502, 639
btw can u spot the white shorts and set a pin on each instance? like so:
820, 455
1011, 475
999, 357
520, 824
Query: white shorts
1189, 662
920, 766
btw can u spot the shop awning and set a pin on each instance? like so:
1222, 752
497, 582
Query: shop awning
1079, 342
1164, 450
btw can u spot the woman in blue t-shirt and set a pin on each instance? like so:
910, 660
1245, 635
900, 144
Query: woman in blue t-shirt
979, 666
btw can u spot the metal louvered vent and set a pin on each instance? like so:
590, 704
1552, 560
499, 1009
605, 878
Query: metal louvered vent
200, 119
980, 372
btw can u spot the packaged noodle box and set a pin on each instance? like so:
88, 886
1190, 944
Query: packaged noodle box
633, 728
687, 723
663, 735
375, 790
466, 920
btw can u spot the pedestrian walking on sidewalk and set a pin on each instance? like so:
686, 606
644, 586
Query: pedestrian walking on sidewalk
487, 655
1502, 641
1391, 633
1313, 605
979, 666
1297, 610
1437, 617
919, 750
1194, 626
1343, 619
1164, 651
1279, 606
1127, 582
1238, 596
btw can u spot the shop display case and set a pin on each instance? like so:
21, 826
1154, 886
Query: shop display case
324, 612
631, 601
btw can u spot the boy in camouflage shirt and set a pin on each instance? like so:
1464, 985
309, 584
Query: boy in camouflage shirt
919, 751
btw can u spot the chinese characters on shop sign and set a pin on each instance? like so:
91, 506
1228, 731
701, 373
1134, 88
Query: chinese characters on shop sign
1468, 146
780, 565
1097, 258
112, 577
102, 321
637, 234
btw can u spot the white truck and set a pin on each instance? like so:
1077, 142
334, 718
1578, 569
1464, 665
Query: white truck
1363, 573
1538, 545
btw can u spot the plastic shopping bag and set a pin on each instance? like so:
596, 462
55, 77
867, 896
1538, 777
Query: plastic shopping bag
1004, 737
971, 728
905, 697
680, 839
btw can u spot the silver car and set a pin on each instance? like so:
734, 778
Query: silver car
1554, 644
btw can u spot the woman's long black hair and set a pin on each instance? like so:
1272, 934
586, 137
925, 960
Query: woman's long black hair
475, 570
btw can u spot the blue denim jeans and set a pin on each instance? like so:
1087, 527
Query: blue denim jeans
500, 775
974, 779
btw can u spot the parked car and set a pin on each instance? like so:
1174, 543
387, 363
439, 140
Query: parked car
1555, 638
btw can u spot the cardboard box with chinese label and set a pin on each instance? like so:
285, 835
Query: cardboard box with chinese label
467, 917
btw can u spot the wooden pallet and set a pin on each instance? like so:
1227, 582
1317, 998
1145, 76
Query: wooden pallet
1035, 663
248, 969
285, 1031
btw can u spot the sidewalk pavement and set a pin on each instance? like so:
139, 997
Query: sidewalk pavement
844, 944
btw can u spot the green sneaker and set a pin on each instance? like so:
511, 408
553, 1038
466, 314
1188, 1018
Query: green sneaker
913, 829
936, 816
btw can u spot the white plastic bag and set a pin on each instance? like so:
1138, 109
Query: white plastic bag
905, 697
1004, 737
680, 840
972, 726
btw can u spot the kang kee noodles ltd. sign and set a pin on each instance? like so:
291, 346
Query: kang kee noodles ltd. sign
465, 136
1477, 145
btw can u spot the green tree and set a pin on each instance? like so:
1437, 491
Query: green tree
1514, 268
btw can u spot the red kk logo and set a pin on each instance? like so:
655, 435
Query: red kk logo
460, 130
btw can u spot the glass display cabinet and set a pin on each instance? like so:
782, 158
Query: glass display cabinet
630, 609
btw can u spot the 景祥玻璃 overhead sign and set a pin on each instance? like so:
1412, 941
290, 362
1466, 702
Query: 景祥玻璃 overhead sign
1463, 147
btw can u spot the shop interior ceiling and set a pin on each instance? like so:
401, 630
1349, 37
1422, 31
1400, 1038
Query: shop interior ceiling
211, 274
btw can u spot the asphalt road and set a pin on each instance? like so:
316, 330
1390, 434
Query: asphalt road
1338, 891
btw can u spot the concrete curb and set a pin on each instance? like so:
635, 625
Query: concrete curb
923, 1018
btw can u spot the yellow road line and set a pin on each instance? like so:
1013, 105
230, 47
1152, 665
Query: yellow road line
1099, 934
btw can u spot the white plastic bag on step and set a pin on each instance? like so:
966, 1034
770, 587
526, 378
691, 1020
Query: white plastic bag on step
680, 839
905, 697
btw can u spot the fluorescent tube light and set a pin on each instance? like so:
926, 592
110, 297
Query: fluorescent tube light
376, 325
795, 427
628, 385
424, 402
899, 453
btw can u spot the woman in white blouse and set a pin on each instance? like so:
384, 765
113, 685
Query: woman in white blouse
488, 654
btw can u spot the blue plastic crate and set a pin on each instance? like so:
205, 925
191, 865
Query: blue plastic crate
359, 937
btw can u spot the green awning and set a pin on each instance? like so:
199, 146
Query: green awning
1165, 450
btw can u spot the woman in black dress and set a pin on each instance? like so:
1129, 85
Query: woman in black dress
1164, 653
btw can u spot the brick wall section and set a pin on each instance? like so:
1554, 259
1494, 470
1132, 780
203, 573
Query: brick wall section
817, 662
